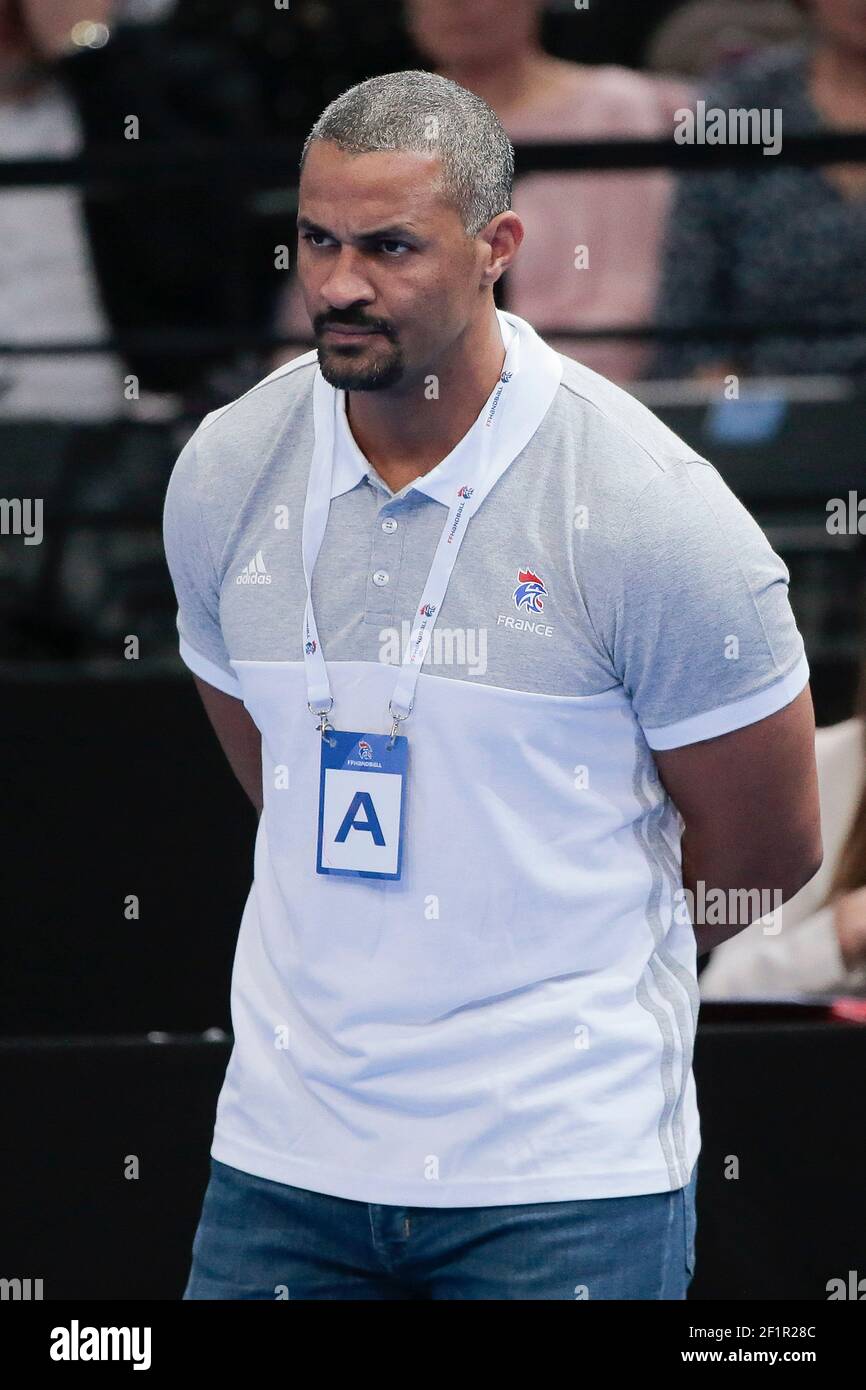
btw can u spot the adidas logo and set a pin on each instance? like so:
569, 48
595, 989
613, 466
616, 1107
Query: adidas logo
255, 572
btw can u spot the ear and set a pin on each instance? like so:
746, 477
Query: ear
503, 234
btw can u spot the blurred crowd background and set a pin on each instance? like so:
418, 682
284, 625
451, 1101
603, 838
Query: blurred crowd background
148, 172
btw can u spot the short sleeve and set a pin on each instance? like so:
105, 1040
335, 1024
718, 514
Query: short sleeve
194, 577
704, 637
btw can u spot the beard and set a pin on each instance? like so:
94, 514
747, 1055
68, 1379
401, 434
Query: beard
347, 369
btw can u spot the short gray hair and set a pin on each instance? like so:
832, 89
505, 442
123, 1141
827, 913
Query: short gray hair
428, 114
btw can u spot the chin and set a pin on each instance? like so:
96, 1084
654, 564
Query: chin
344, 374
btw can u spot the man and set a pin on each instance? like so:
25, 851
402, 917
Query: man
480, 637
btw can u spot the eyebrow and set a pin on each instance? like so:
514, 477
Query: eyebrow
397, 231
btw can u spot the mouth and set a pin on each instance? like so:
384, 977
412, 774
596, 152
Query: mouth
343, 334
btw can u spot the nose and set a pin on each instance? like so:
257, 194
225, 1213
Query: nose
346, 284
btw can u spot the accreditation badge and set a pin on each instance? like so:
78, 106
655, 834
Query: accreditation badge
362, 796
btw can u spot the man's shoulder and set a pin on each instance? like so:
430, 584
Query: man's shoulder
277, 395
240, 442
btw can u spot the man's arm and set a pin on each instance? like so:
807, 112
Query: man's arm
749, 800
239, 738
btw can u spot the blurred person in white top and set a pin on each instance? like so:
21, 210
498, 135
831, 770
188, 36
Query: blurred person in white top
48, 287
816, 943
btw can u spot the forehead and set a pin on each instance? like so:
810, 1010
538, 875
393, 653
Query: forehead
374, 189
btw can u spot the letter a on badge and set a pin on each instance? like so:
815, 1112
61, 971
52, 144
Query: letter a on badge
350, 820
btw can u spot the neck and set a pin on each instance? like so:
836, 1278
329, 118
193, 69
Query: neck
403, 432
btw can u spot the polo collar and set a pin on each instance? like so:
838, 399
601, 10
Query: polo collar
535, 373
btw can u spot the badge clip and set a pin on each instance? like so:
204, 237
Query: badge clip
324, 725
397, 719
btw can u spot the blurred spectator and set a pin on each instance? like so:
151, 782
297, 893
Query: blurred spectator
118, 262
47, 285
493, 48
782, 243
821, 947
706, 35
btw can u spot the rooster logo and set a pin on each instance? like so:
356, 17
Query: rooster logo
530, 592
427, 610
465, 491
364, 749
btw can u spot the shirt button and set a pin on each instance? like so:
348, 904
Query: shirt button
389, 525
380, 577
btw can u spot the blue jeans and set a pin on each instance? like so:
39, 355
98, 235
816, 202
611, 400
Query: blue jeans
267, 1240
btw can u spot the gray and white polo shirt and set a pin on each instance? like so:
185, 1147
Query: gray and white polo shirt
512, 1021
